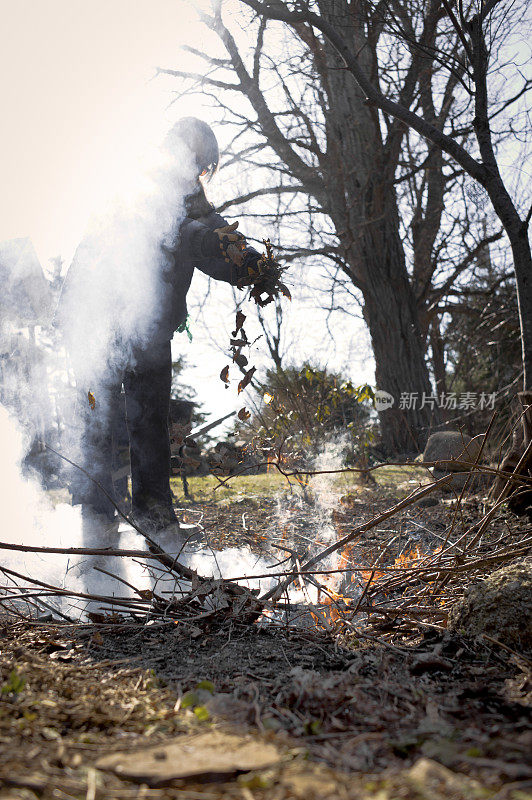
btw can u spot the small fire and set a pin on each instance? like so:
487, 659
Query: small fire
334, 596
407, 559
357, 580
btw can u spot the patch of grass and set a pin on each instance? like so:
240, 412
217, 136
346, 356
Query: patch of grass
237, 488
246, 487
392, 477
14, 684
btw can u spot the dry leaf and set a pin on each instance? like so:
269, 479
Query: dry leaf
246, 379
95, 617
240, 319
92, 400
62, 655
240, 359
211, 753
243, 414
224, 375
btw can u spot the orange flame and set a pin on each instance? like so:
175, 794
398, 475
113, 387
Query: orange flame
330, 594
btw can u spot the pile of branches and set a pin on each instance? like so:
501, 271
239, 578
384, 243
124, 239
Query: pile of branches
194, 600
421, 591
418, 592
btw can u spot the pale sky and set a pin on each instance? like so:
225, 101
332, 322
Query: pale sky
78, 104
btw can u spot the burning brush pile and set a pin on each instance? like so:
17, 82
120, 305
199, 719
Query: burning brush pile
334, 563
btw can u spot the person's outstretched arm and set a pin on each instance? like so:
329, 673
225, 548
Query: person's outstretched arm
216, 248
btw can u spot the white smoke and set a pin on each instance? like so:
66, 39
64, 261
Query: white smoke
111, 307
314, 506
116, 290
306, 517
30, 519
329, 461
234, 562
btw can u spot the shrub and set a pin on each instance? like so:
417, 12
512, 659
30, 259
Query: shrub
300, 409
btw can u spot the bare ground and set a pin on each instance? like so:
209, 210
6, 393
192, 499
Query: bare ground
417, 714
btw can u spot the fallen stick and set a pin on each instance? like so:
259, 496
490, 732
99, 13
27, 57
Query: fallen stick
508, 649
55, 591
140, 592
77, 551
399, 611
364, 593
394, 583
465, 466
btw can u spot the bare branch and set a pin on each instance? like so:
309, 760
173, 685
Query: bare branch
268, 190
202, 79
279, 11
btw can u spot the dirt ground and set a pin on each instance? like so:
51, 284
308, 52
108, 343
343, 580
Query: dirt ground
414, 713
348, 719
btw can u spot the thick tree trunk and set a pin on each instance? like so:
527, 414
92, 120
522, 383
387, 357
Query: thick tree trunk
361, 200
516, 229
517, 232
522, 258
523, 274
391, 315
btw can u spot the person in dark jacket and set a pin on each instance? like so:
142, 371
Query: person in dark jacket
143, 364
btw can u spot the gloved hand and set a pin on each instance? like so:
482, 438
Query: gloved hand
260, 272
231, 243
263, 273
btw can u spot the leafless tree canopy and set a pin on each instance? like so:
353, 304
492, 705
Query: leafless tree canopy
356, 133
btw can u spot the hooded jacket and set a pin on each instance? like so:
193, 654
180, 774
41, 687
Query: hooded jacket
196, 246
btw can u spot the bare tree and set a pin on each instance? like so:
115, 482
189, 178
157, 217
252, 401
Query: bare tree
344, 174
477, 27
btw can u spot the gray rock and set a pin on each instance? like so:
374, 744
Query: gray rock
452, 445
478, 482
456, 480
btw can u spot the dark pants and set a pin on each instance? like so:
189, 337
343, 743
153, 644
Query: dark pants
147, 392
